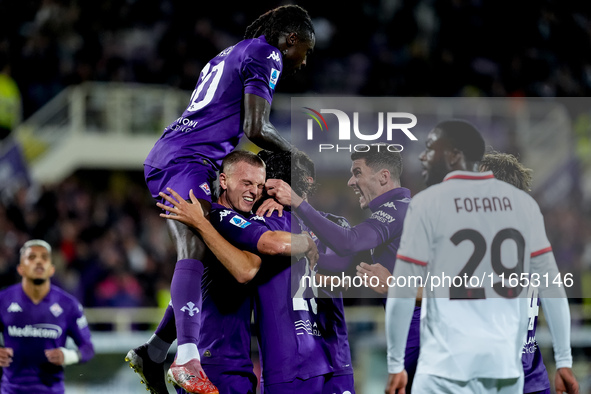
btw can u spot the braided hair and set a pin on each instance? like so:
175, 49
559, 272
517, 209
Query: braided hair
281, 20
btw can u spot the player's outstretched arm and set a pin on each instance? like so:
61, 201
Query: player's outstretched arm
257, 126
241, 264
287, 244
343, 240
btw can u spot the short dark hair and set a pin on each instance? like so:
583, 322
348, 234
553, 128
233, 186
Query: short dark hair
241, 156
463, 136
281, 20
507, 168
378, 157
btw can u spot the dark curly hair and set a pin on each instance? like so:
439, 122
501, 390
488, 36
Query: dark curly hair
293, 168
281, 20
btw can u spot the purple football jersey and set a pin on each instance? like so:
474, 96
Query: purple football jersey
211, 126
227, 304
331, 311
29, 329
380, 234
536, 376
289, 334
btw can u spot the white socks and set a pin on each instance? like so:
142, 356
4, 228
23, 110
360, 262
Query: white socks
186, 352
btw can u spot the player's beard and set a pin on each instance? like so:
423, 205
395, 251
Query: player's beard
39, 281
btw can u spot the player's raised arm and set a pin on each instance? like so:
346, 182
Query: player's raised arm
343, 240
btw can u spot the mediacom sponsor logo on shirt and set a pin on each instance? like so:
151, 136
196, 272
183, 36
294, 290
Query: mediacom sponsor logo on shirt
50, 331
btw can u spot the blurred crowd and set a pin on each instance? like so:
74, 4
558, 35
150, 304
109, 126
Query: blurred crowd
112, 249
374, 48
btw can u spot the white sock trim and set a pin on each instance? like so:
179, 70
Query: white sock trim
187, 352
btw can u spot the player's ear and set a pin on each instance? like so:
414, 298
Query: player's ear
454, 157
19, 269
385, 176
51, 270
223, 181
291, 39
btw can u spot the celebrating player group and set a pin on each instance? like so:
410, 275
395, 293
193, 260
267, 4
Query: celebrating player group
244, 247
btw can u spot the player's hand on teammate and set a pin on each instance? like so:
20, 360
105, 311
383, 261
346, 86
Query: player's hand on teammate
565, 381
55, 356
312, 253
397, 383
268, 206
282, 192
190, 214
382, 274
6, 354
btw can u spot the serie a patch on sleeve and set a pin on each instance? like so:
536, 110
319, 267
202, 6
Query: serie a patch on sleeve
239, 222
274, 77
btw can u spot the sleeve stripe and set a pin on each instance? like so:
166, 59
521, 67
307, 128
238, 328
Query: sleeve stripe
411, 260
541, 251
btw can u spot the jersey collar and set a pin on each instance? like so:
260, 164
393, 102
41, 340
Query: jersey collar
468, 175
398, 193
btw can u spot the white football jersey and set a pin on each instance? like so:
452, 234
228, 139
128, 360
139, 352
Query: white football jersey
469, 232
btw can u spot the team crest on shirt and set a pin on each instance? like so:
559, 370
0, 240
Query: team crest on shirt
239, 222
190, 308
205, 187
273, 78
14, 307
275, 56
81, 322
56, 309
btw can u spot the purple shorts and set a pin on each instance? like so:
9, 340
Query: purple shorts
199, 176
298, 386
228, 381
342, 384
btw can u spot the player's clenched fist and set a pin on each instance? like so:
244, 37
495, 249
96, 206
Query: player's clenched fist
6, 354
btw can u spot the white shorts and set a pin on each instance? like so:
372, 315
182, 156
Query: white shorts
425, 383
